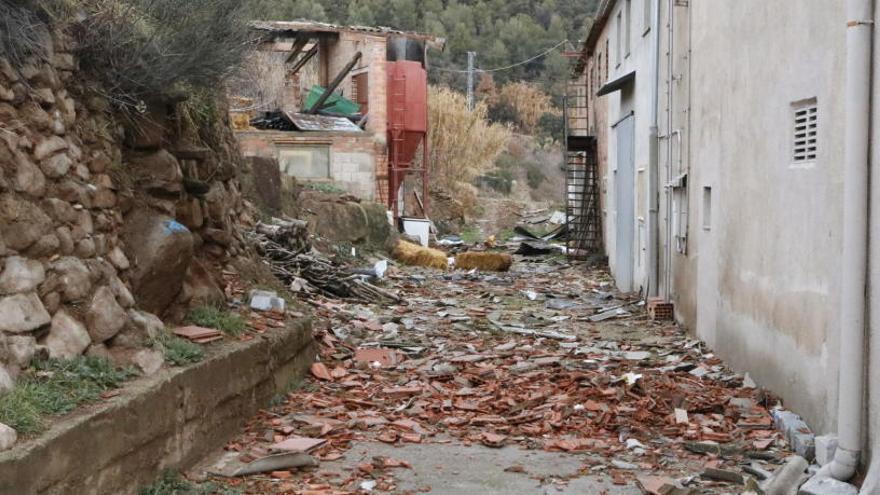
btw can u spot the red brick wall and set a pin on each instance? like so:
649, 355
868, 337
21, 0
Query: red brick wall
354, 158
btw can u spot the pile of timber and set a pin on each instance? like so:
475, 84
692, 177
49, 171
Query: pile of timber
285, 246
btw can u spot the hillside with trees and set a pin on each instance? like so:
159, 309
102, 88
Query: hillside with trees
502, 32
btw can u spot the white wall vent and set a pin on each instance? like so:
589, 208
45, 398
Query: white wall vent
806, 126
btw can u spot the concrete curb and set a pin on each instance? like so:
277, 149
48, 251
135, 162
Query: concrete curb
167, 421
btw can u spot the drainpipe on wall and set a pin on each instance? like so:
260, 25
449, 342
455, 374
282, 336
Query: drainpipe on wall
653, 161
855, 240
670, 79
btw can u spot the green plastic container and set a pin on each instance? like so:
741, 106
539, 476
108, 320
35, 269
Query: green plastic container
336, 103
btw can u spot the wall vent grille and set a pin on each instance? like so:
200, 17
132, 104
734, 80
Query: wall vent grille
806, 122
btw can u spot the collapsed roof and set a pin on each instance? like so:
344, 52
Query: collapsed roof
285, 28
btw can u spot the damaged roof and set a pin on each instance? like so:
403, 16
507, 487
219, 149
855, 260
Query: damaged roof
322, 27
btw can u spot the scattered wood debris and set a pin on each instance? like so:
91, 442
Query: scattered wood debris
284, 245
199, 335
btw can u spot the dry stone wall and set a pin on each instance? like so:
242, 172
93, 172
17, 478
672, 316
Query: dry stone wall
107, 225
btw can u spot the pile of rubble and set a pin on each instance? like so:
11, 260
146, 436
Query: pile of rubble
285, 246
545, 357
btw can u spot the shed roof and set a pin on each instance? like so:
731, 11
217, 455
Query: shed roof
303, 26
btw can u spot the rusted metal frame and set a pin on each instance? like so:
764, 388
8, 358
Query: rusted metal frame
335, 84
304, 60
425, 191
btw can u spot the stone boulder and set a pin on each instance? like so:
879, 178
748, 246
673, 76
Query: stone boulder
348, 221
148, 361
49, 146
8, 437
264, 184
203, 287
105, 317
158, 172
29, 178
61, 211
22, 313
22, 223
117, 257
71, 278
6, 381
120, 290
17, 350
141, 329
160, 251
20, 275
56, 165
67, 338
218, 203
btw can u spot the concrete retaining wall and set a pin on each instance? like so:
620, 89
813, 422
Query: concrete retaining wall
168, 421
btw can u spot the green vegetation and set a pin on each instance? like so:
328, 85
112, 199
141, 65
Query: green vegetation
172, 483
57, 387
210, 317
180, 352
471, 234
502, 177
325, 187
551, 127
535, 175
505, 235
139, 50
502, 32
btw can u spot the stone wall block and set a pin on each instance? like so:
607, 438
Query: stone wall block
67, 337
22, 313
104, 317
20, 275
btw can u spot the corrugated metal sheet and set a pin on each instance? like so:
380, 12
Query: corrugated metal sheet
305, 122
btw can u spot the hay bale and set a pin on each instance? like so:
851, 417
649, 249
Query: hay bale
415, 255
240, 121
490, 261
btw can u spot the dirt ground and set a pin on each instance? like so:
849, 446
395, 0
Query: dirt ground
506, 383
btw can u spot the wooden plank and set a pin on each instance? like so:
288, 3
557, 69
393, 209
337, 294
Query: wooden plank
335, 84
304, 60
301, 41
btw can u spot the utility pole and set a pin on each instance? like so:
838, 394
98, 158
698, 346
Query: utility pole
470, 80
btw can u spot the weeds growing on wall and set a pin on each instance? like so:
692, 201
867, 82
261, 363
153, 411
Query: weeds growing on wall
179, 352
23, 34
56, 387
218, 319
138, 49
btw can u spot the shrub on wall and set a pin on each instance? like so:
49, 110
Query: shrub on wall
137, 49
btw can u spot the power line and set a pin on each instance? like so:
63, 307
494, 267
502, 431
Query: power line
508, 67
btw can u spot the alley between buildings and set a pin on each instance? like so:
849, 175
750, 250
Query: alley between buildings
540, 380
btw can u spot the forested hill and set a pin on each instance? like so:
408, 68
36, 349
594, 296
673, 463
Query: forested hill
502, 32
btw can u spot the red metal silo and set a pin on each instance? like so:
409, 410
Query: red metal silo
407, 126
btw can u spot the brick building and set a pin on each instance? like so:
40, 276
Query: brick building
293, 59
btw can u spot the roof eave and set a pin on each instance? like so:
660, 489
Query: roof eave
603, 14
